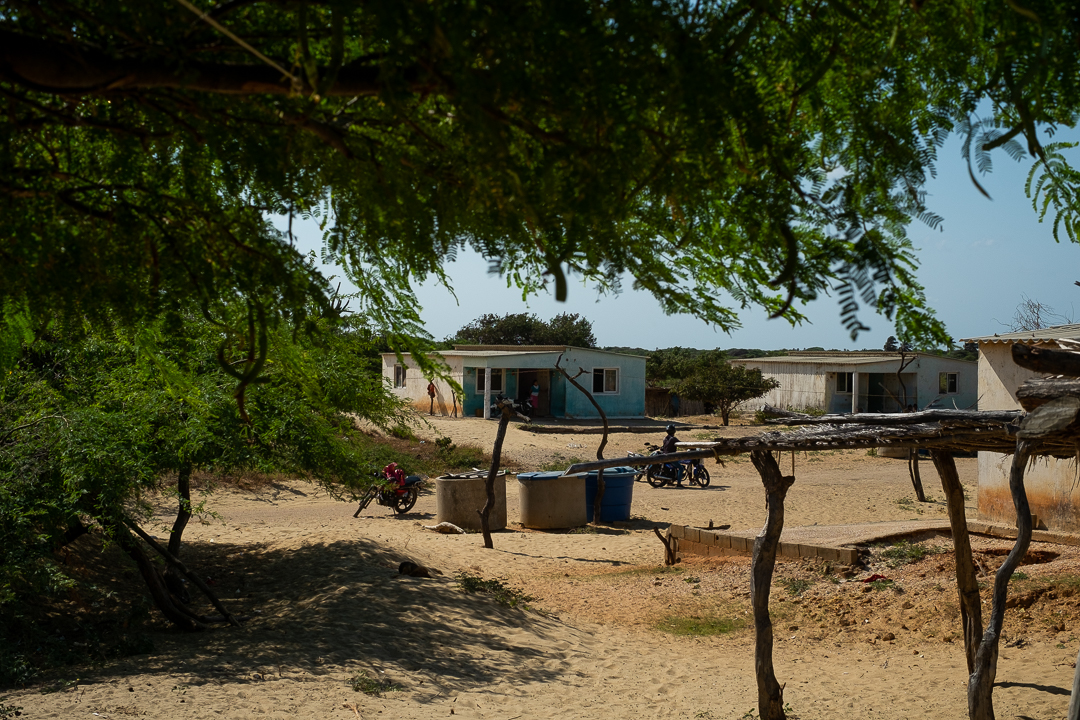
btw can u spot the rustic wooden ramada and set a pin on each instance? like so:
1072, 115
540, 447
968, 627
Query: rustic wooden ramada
1048, 425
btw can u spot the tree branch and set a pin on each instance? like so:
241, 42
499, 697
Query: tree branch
64, 69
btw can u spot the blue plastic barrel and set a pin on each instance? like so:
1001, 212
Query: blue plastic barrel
618, 493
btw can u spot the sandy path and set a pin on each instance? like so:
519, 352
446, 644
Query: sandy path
328, 605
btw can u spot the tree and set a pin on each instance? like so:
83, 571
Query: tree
1033, 315
151, 156
526, 329
722, 385
92, 423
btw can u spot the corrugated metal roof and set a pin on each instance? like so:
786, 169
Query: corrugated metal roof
840, 358
513, 349
1032, 337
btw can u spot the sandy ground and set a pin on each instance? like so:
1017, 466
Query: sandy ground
328, 608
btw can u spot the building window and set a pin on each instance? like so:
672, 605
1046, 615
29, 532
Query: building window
948, 383
496, 380
605, 381
399, 376
845, 382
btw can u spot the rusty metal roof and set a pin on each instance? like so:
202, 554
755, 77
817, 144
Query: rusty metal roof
1032, 337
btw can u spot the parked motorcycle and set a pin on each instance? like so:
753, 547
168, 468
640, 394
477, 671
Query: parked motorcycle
520, 407
674, 472
397, 490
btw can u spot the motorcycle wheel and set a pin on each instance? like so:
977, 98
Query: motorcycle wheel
404, 503
654, 478
701, 477
364, 502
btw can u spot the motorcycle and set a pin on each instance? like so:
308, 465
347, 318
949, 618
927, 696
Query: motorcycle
521, 407
674, 472
397, 491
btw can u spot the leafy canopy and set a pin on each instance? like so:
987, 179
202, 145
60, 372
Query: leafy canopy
769, 151
527, 329
722, 385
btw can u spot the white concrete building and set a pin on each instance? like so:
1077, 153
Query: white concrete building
866, 381
1051, 484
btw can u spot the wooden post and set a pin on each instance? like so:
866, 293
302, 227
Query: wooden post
603, 441
916, 478
489, 486
487, 393
967, 581
981, 683
770, 693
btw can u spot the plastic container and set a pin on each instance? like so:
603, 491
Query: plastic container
618, 493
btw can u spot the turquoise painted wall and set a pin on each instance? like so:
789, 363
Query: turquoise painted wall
566, 400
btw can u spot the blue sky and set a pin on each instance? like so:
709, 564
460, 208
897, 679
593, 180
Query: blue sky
981, 263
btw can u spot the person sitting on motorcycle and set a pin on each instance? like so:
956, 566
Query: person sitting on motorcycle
669, 447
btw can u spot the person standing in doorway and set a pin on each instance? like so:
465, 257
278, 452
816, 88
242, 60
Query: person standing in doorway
431, 396
534, 398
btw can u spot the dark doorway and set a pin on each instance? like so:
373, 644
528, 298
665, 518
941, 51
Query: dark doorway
525, 382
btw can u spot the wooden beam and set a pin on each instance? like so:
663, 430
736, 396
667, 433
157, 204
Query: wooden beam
786, 417
1046, 360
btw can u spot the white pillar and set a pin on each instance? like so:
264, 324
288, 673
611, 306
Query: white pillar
487, 393
854, 391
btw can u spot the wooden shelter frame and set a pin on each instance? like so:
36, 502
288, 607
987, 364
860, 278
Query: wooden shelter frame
1048, 426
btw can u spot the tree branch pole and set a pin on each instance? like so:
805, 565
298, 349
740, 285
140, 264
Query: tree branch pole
770, 692
195, 579
981, 683
603, 441
967, 581
506, 407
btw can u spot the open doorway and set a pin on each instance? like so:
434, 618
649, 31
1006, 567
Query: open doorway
542, 378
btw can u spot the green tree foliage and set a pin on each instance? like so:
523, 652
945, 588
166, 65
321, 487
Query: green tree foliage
766, 152
672, 364
715, 382
94, 424
527, 329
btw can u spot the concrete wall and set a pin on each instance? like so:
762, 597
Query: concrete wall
628, 402
559, 397
813, 384
1050, 483
416, 384
802, 385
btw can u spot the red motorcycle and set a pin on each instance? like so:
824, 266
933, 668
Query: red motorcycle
398, 491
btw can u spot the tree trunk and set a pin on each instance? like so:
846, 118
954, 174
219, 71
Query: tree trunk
496, 457
981, 683
183, 512
603, 440
967, 581
176, 614
174, 562
770, 692
916, 478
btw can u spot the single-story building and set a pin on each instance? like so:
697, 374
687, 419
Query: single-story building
1051, 484
616, 380
865, 381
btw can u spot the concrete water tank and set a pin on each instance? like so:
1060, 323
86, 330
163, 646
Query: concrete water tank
550, 501
458, 499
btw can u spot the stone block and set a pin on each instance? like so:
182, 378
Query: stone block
677, 531
692, 534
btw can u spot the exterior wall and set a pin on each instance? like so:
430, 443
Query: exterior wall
559, 397
416, 384
967, 378
1049, 483
802, 385
628, 402
813, 384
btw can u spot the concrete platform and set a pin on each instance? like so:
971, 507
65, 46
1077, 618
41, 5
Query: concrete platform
838, 543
